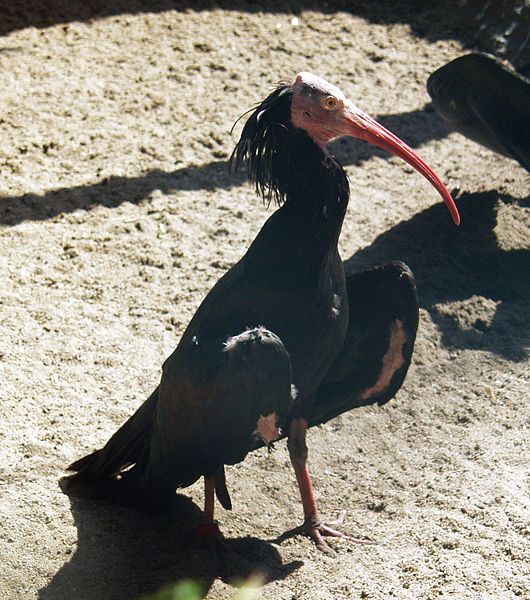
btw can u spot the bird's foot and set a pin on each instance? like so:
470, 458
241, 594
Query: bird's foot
210, 537
207, 530
316, 528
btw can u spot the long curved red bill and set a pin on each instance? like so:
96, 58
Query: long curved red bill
364, 127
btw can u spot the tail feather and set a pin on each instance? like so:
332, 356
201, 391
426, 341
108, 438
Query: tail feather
96, 475
83, 463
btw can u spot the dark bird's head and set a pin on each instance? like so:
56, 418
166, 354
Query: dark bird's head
318, 110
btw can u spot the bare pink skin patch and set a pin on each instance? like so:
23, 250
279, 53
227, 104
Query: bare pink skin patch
267, 428
393, 360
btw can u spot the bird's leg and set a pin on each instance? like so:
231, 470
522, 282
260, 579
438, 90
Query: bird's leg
207, 527
313, 525
207, 531
298, 455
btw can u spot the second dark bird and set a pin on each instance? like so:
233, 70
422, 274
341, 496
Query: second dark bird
480, 97
284, 338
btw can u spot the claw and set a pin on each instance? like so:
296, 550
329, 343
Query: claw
210, 538
317, 529
208, 530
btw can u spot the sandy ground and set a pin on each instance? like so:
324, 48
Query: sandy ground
117, 214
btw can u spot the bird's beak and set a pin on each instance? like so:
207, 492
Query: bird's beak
360, 125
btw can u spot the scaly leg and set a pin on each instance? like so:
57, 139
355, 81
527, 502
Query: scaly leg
207, 527
313, 525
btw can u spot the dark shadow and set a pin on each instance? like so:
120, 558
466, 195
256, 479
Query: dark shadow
113, 191
416, 127
124, 554
487, 26
455, 263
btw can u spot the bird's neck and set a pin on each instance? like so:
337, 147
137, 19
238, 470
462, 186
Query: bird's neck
301, 237
317, 194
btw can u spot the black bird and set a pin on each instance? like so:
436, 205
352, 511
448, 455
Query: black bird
485, 101
283, 338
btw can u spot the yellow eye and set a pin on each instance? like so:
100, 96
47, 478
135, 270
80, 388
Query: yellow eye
329, 102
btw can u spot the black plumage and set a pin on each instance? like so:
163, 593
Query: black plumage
377, 350
283, 334
485, 101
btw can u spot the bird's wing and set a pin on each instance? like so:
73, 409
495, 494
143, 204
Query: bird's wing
377, 351
209, 409
482, 99
214, 400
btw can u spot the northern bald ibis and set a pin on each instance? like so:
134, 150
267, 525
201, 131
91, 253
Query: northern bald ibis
283, 338
485, 101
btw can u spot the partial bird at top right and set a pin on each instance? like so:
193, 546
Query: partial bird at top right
487, 102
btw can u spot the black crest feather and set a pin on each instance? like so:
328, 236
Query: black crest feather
262, 144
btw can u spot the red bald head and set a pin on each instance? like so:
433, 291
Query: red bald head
324, 112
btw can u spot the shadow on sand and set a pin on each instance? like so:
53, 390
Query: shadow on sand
33, 13
453, 264
498, 27
124, 554
416, 127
